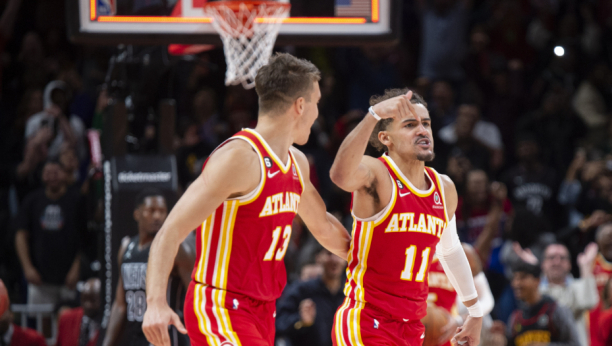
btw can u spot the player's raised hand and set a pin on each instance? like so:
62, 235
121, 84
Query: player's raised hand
155, 324
469, 333
398, 107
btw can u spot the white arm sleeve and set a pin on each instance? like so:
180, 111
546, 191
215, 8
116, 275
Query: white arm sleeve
485, 296
455, 263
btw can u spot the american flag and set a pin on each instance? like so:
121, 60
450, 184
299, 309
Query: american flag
353, 8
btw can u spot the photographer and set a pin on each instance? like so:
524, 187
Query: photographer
64, 128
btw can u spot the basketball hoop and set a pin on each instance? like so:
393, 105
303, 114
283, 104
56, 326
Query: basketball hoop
248, 30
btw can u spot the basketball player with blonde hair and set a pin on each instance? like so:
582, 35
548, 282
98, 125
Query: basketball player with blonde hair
403, 213
243, 205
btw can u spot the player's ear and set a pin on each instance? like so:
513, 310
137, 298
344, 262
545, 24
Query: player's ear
383, 137
137, 214
299, 105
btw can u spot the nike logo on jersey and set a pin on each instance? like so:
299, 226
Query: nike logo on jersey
270, 176
404, 194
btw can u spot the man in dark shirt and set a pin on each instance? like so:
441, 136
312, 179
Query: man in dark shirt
47, 240
539, 319
532, 186
306, 309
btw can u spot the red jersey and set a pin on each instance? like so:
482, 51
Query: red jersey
241, 245
390, 252
602, 270
441, 291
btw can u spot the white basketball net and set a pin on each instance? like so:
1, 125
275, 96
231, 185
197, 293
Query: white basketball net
248, 36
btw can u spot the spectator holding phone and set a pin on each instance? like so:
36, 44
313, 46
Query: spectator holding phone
64, 128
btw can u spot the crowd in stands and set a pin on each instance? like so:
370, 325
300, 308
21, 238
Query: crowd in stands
520, 97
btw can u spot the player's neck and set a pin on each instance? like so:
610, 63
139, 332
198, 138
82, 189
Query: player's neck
413, 170
144, 239
278, 134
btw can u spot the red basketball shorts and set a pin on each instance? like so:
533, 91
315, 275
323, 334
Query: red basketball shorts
215, 317
357, 323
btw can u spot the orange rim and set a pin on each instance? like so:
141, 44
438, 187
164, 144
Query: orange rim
235, 5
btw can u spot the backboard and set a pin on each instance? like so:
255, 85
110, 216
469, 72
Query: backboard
311, 22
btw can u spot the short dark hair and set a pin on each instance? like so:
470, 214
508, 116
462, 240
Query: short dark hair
282, 81
383, 124
527, 268
147, 192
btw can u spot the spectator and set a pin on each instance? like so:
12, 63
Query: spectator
556, 128
47, 241
191, 154
442, 108
464, 143
207, 117
444, 31
539, 320
602, 270
531, 184
578, 295
306, 309
64, 127
483, 132
604, 325
482, 213
81, 326
70, 162
14, 335
590, 100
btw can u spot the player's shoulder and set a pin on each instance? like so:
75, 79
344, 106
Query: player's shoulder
447, 183
125, 242
375, 164
236, 154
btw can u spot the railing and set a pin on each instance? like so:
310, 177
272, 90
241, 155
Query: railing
38, 311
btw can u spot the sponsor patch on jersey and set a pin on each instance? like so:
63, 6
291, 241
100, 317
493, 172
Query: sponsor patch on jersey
437, 198
268, 162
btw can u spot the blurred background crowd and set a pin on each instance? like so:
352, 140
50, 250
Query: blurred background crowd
520, 97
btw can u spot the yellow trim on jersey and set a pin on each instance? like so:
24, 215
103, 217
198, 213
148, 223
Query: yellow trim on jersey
297, 168
358, 308
283, 167
340, 323
230, 210
441, 189
263, 171
199, 307
349, 274
603, 262
365, 239
205, 236
399, 175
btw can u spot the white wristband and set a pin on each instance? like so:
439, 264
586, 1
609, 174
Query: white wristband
475, 310
371, 111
